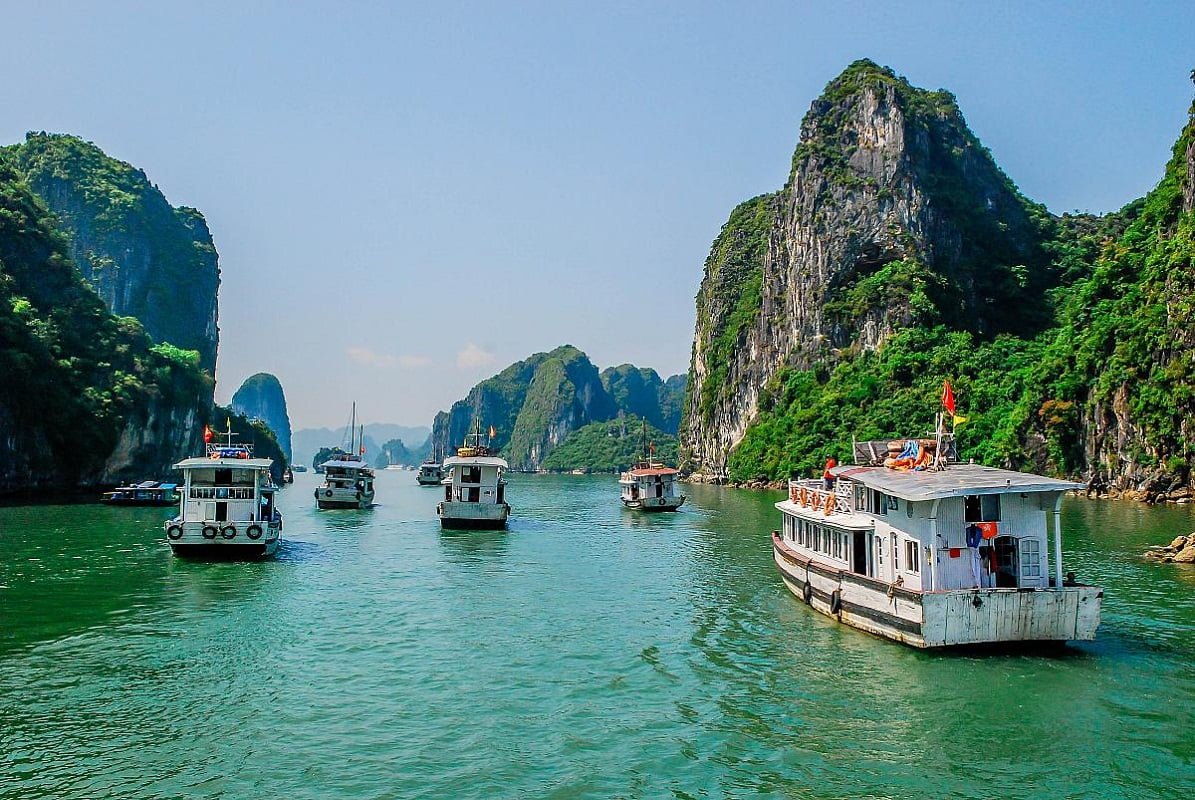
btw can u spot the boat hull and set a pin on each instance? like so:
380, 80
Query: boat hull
654, 503
429, 481
342, 498
226, 540
941, 619
473, 516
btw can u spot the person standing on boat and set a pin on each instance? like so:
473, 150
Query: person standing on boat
827, 475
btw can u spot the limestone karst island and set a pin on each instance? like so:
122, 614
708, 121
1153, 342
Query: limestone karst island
476, 402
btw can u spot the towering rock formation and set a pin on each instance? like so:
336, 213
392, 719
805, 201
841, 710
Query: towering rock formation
893, 215
145, 258
86, 398
640, 392
261, 397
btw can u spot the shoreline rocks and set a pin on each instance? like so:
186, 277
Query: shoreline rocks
1179, 551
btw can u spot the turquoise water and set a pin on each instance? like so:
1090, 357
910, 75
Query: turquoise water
586, 652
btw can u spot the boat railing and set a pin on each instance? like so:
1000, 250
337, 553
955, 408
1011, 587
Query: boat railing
811, 493
229, 450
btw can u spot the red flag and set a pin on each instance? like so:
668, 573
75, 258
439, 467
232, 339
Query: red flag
362, 450
207, 435
948, 397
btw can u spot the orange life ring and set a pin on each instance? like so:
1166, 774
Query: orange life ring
829, 504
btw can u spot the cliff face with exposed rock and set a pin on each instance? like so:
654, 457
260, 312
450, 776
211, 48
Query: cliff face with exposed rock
261, 397
143, 257
893, 215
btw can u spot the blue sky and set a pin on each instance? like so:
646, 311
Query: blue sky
407, 197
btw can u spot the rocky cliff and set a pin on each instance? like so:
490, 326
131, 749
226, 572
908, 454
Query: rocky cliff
893, 215
86, 398
144, 258
261, 397
640, 392
898, 256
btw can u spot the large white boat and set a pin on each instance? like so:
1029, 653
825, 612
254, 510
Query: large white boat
650, 485
916, 547
227, 508
474, 489
431, 472
348, 480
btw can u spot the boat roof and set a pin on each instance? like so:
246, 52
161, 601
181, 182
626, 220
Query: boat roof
649, 471
241, 463
477, 461
956, 480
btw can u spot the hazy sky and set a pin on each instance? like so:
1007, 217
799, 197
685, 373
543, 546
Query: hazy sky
406, 198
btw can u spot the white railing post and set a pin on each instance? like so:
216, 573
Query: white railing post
1058, 541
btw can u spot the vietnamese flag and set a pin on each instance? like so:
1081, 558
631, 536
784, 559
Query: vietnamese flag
207, 435
948, 397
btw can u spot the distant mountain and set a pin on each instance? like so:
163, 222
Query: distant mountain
396, 451
610, 446
261, 397
537, 404
639, 391
306, 442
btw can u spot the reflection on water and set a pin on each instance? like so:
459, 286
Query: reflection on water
588, 651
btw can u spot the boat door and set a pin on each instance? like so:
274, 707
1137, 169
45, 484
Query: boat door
221, 511
859, 554
1007, 562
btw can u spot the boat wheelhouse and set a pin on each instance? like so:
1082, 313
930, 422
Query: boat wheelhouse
952, 554
650, 486
227, 508
475, 488
146, 493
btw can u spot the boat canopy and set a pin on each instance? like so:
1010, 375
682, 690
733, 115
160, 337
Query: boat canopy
346, 464
955, 480
647, 472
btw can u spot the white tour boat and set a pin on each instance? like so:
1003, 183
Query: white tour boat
475, 489
649, 485
931, 552
227, 508
348, 480
431, 473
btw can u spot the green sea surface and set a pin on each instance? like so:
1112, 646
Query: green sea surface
588, 651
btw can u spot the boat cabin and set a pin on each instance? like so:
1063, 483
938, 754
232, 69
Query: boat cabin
650, 486
474, 488
878, 533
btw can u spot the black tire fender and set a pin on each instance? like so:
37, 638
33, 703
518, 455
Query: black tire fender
807, 593
209, 532
174, 532
253, 532
836, 602
228, 532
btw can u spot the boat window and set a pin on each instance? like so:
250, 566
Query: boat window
981, 508
912, 557
471, 475
1030, 558
877, 502
860, 497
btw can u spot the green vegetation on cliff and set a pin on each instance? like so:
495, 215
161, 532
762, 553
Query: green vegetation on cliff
1107, 388
609, 446
72, 373
131, 245
261, 397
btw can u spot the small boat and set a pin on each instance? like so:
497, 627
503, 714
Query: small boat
227, 508
395, 466
146, 493
650, 485
475, 489
298, 468
939, 555
431, 472
348, 480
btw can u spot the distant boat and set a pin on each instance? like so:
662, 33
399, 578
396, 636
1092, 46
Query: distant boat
146, 493
298, 468
348, 480
650, 485
394, 466
227, 508
475, 489
431, 473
